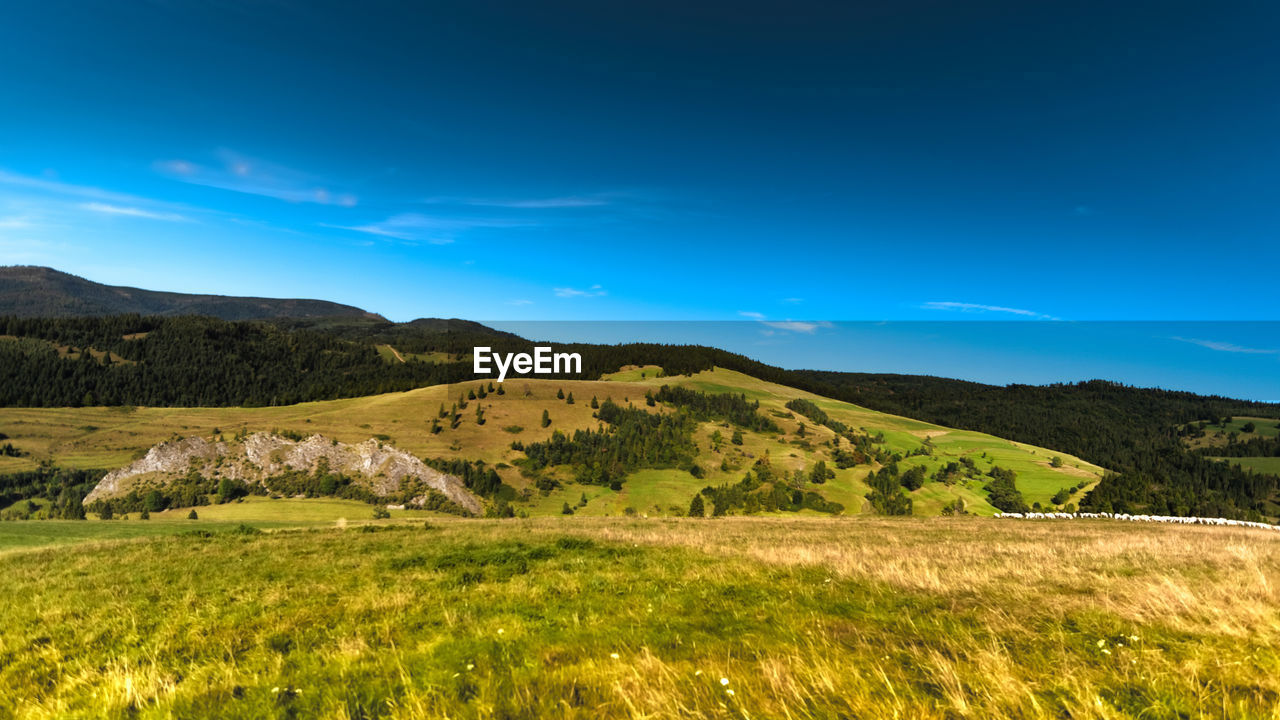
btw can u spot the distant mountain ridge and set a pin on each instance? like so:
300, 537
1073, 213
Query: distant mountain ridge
32, 291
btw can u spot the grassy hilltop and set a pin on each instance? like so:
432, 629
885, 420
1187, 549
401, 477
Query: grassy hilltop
655, 618
111, 437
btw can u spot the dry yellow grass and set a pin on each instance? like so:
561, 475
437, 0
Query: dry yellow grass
662, 618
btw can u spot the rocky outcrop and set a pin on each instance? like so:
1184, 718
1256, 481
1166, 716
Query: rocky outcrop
262, 455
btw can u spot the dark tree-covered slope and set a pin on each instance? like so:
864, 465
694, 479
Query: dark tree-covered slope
29, 291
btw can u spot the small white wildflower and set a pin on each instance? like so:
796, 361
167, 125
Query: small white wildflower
1106, 651
1133, 638
724, 681
500, 631
698, 673
1100, 642
1119, 644
730, 691
613, 655
275, 689
470, 666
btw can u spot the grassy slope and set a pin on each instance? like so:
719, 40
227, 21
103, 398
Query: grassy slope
111, 437
1263, 427
590, 618
1217, 435
257, 511
1268, 465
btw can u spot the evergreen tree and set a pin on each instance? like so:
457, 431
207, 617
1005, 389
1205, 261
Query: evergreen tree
546, 419
886, 493
696, 508
559, 394
569, 400
192, 515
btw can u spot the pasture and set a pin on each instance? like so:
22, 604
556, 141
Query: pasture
656, 618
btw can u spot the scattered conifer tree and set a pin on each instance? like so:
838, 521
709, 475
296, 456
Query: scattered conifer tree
696, 508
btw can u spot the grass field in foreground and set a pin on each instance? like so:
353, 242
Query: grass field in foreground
617, 617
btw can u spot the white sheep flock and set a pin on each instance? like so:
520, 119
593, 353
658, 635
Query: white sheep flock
1139, 518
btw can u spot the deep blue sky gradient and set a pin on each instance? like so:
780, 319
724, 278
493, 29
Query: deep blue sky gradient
660, 160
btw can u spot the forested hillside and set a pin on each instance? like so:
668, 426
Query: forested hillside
30, 291
190, 361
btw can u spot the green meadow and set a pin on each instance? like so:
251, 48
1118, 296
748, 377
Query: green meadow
583, 617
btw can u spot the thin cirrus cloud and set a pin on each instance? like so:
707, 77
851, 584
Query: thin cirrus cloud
544, 203
1226, 346
243, 174
965, 307
568, 292
433, 229
49, 198
796, 326
129, 211
46, 186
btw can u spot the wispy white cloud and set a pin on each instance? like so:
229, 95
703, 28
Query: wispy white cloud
543, 203
240, 173
798, 326
46, 202
46, 186
520, 302
568, 292
432, 229
795, 325
1226, 346
978, 308
792, 300
108, 209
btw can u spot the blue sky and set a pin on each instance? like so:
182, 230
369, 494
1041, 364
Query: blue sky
660, 160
